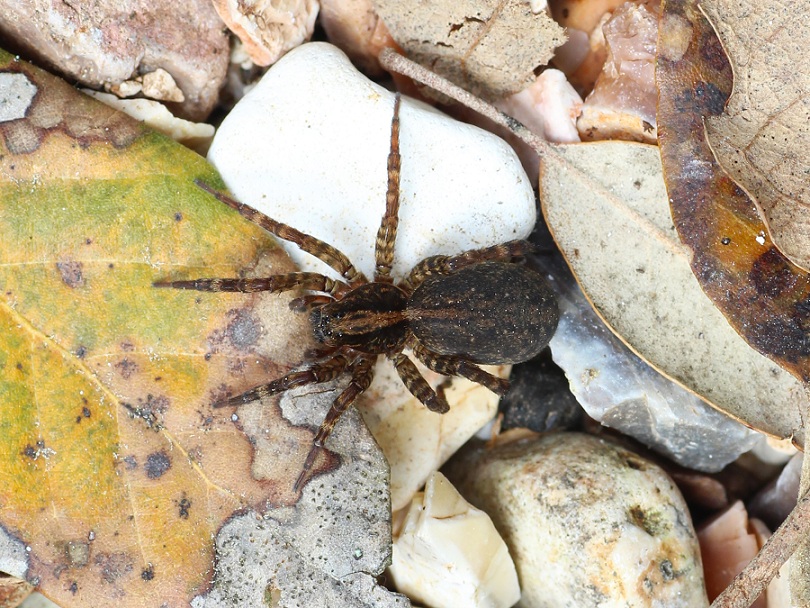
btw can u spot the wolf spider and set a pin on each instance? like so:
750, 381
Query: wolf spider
452, 312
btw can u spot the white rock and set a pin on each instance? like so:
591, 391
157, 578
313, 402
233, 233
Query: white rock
195, 135
587, 523
308, 145
549, 107
449, 555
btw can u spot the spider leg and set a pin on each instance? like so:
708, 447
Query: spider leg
445, 264
387, 233
361, 370
317, 373
280, 282
314, 246
458, 366
435, 401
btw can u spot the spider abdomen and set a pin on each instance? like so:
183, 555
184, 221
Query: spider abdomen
370, 318
491, 313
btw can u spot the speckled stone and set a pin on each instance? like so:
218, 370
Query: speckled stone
539, 398
588, 523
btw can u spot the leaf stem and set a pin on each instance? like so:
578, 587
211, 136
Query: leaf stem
394, 62
755, 577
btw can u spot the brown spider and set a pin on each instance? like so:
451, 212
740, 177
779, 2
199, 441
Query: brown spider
452, 312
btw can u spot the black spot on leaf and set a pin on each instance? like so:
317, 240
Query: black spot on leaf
71, 272
184, 505
157, 463
113, 565
244, 330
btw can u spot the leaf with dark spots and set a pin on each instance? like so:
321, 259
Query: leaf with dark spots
119, 472
113, 566
244, 330
760, 136
754, 285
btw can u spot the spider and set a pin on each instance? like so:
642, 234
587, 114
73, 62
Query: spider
452, 312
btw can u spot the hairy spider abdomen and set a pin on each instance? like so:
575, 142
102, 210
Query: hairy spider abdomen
370, 318
491, 313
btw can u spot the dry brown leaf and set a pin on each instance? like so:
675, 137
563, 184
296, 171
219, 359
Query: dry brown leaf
489, 47
762, 137
608, 210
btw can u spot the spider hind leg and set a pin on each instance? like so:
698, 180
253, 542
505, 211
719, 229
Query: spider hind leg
458, 366
362, 372
435, 401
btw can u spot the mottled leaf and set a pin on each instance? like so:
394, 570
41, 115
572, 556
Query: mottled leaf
762, 137
117, 474
473, 43
763, 295
606, 206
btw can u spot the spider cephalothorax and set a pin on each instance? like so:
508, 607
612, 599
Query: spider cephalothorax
452, 312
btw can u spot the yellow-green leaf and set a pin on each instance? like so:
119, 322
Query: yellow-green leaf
116, 472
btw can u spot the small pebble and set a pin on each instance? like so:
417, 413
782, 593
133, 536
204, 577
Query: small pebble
539, 398
415, 440
588, 523
728, 542
269, 29
776, 500
623, 102
105, 43
447, 553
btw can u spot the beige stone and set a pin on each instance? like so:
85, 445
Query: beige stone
588, 523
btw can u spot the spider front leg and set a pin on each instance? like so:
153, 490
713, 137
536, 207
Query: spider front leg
314, 246
387, 233
458, 366
281, 282
445, 264
362, 372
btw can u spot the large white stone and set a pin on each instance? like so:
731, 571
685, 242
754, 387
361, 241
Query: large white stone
308, 146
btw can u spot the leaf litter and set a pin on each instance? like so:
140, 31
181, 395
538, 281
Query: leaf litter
761, 293
607, 208
778, 276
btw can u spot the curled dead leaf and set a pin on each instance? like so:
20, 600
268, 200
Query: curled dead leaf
762, 136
